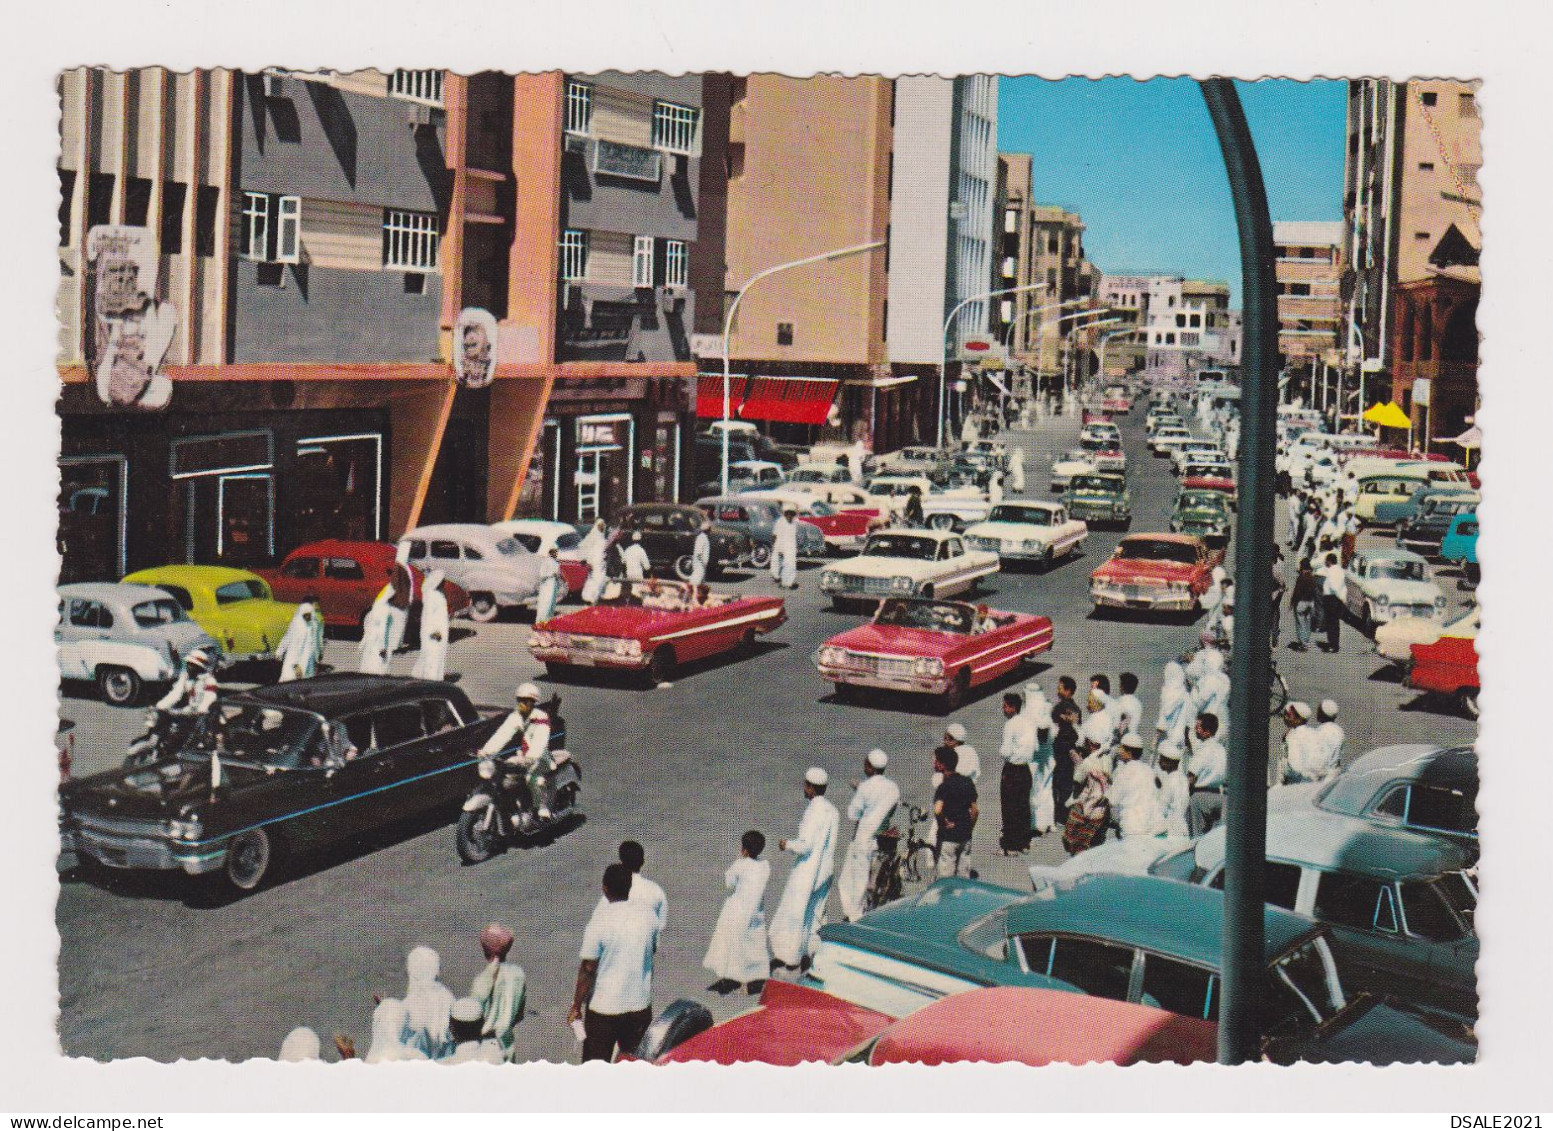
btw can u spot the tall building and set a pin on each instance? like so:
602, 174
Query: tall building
1411, 241
317, 235
1190, 327
1054, 246
1126, 298
1310, 309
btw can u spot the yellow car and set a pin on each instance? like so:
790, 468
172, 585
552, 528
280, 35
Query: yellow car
233, 605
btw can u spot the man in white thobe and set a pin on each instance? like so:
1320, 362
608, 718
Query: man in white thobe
871, 807
635, 559
1043, 765
401, 595
795, 928
1304, 754
432, 663
1016, 471
1175, 792
549, 593
1134, 793
1211, 695
1127, 709
303, 643
375, 652
701, 553
594, 543
1331, 736
784, 548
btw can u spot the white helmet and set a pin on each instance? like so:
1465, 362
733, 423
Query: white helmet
199, 658
528, 691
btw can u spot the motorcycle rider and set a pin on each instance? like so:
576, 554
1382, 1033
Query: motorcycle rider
533, 752
192, 695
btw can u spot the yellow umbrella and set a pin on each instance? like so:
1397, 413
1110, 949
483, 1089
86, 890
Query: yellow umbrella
1388, 415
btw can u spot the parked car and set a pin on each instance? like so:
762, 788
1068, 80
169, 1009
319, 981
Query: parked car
1395, 639
908, 563
1160, 417
1195, 451
1389, 513
653, 628
1448, 667
1204, 514
1412, 786
540, 535
1035, 532
347, 576
669, 531
761, 446
1137, 939
1105, 453
709, 455
289, 782
1168, 437
791, 1025
233, 605
1217, 474
1381, 482
938, 648
827, 481
1155, 572
844, 530
747, 475
951, 509
915, 459
1400, 910
497, 570
755, 518
1428, 526
124, 638
1117, 400
1460, 545
1099, 497
1385, 584
1075, 461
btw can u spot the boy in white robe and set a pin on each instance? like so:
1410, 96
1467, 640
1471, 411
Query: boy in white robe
738, 953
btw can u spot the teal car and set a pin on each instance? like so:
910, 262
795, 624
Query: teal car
1098, 498
1203, 513
1139, 939
1460, 544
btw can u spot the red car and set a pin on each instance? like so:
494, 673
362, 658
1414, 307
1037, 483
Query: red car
1155, 572
346, 576
1210, 483
926, 647
791, 1025
1449, 666
1118, 404
652, 627
1095, 416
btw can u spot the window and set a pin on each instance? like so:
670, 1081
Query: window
473, 555
234, 591
397, 724
674, 127
579, 108
300, 567
641, 262
1426, 166
66, 199
417, 86
1170, 339
1440, 807
676, 255
255, 239
137, 201
445, 550
1420, 235
180, 594
409, 240
88, 614
343, 569
1428, 915
574, 254
1352, 901
438, 715
784, 333
1467, 105
207, 201
1098, 968
99, 200
1197, 318
417, 549
1010, 217
1430, 98
288, 230
151, 614
174, 196
1188, 990
1180, 320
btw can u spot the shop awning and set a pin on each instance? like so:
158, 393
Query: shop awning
1471, 438
1388, 415
789, 400
709, 395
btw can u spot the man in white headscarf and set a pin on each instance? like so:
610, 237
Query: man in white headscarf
594, 543
428, 1004
1134, 792
403, 592
795, 928
500, 988
375, 652
701, 553
388, 1032
1038, 711
1016, 470
1175, 706
871, 807
301, 1044
432, 663
784, 548
1211, 695
1331, 737
1213, 601
1175, 792
303, 643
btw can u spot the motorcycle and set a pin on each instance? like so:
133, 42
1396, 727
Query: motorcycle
501, 810
165, 734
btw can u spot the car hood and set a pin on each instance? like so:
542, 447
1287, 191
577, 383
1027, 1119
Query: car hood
1379, 1031
896, 641
621, 620
164, 789
1020, 530
1395, 639
885, 567
1404, 592
1139, 570
1201, 514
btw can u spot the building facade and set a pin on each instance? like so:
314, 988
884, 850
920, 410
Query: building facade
1309, 271
1125, 297
1054, 247
1190, 327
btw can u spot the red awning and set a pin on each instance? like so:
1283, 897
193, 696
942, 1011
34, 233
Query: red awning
791, 400
709, 395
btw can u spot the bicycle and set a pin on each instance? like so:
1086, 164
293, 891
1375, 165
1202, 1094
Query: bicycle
891, 869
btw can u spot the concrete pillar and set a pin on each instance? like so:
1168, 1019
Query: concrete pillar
418, 417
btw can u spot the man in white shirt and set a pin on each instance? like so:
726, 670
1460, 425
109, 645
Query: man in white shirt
643, 891
784, 548
1331, 736
1018, 752
1175, 792
1303, 753
871, 807
1334, 587
1134, 792
1205, 774
635, 559
614, 975
795, 928
1127, 709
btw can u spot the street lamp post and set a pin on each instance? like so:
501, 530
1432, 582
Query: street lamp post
823, 257
1072, 368
943, 402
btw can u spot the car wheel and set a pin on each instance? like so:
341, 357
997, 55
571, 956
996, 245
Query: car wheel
248, 860
747, 643
760, 557
683, 567
840, 604
119, 686
1368, 624
476, 841
483, 607
927, 593
941, 522
554, 669
660, 667
1048, 559
959, 690
1467, 702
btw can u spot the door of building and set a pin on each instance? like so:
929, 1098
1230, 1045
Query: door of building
606, 477
92, 518
224, 498
336, 490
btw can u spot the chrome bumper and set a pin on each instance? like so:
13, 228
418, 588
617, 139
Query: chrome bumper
143, 853
916, 685
1178, 601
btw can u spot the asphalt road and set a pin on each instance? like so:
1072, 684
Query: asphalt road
685, 769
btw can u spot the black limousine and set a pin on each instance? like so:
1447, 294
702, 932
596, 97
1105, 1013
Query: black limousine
296, 767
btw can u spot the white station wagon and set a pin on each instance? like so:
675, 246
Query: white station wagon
908, 563
1386, 584
1038, 532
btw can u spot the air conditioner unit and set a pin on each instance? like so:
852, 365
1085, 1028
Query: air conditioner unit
419, 115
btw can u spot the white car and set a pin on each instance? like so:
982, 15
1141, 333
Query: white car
1383, 585
1167, 438
944, 510
538, 535
124, 637
1038, 532
1395, 639
1101, 430
1158, 419
1193, 449
497, 570
908, 563
1075, 461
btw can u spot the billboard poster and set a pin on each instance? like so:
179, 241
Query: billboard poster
131, 329
474, 351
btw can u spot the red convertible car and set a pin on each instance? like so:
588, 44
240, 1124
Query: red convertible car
1210, 483
1447, 667
792, 1024
346, 576
1155, 572
926, 647
653, 626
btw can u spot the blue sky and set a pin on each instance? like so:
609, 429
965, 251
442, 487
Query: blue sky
1140, 162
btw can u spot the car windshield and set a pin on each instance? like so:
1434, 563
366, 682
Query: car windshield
809, 475
902, 546
1105, 484
988, 935
888, 487
1177, 866
1149, 550
511, 547
937, 616
234, 591
530, 542
149, 614
248, 733
1303, 990
821, 510
1030, 516
1074, 455
1442, 909
568, 540
1204, 500
1397, 571
1097, 444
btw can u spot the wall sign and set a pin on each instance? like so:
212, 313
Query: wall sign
474, 347
131, 329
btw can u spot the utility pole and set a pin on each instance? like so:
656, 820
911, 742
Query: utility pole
1245, 801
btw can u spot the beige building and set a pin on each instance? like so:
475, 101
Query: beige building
1309, 272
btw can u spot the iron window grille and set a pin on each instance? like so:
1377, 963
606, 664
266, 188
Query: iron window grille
424, 87
574, 254
272, 228
675, 127
409, 240
579, 108
642, 261
676, 263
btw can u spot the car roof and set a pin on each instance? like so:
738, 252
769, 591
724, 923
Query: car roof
452, 530
1181, 920
534, 525
1393, 556
342, 547
1355, 789
931, 532
205, 574
935, 917
1040, 504
1182, 539
113, 592
1329, 841
341, 692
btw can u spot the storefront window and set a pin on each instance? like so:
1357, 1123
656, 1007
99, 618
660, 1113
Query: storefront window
336, 490
605, 475
224, 498
91, 518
